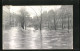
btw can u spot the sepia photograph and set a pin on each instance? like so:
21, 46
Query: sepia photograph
37, 27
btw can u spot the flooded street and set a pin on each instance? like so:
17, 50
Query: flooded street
37, 27
17, 38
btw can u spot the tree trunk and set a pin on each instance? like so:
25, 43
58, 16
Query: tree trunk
48, 24
25, 26
54, 24
62, 23
22, 24
68, 24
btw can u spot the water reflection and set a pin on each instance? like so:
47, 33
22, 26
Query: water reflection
30, 39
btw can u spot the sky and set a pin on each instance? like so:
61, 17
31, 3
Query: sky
33, 10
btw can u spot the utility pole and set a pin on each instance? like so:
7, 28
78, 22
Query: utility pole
40, 26
41, 29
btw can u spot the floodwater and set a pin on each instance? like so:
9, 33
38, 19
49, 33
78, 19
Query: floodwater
17, 38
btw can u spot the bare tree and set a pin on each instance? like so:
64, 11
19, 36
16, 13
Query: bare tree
24, 14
